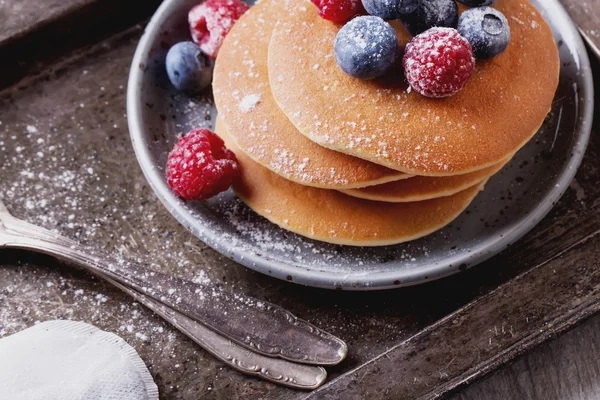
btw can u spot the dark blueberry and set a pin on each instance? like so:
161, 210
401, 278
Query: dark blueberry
477, 3
429, 14
486, 29
188, 68
390, 9
366, 47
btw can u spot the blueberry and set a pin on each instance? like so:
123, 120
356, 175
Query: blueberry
486, 29
366, 47
429, 14
188, 68
477, 3
389, 9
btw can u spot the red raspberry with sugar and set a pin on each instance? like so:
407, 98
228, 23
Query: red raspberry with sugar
339, 11
200, 167
212, 20
438, 62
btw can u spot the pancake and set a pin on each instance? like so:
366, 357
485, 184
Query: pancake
421, 188
246, 106
333, 217
499, 110
415, 188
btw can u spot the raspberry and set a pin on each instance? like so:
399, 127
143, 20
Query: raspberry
438, 62
199, 166
339, 11
212, 20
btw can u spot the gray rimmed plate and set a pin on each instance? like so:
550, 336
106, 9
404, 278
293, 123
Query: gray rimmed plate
513, 202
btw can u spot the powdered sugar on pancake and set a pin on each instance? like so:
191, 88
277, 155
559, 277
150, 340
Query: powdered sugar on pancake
250, 114
249, 103
506, 99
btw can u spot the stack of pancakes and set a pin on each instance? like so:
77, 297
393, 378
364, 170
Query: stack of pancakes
369, 163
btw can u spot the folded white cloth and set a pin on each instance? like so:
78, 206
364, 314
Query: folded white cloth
66, 360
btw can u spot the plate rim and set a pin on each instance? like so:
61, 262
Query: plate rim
376, 280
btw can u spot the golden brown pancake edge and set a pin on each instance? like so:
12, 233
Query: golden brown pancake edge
419, 188
333, 217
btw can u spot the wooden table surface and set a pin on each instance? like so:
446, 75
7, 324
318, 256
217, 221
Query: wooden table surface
587, 15
567, 368
66, 163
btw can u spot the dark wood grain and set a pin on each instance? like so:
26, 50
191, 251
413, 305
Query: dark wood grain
586, 13
77, 107
34, 34
518, 315
23, 17
565, 368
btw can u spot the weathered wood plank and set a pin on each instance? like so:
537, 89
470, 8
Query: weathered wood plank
564, 228
77, 109
586, 13
22, 17
565, 368
518, 315
34, 35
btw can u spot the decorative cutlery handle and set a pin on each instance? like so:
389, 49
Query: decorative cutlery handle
248, 362
259, 326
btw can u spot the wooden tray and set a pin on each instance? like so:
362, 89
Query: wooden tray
586, 13
417, 342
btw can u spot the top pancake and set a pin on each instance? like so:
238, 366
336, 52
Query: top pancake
248, 110
499, 110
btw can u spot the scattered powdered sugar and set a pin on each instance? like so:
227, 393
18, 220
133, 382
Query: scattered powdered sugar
517, 20
249, 103
74, 173
251, 236
91, 197
341, 130
229, 224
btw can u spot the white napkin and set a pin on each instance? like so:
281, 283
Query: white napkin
69, 360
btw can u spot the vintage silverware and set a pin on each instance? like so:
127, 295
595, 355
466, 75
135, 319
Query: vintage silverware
259, 326
299, 376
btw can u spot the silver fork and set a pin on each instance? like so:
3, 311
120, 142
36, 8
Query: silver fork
227, 325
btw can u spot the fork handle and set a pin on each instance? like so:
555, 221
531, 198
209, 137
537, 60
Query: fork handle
259, 326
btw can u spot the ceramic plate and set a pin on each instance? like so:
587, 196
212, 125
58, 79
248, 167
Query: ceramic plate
513, 202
